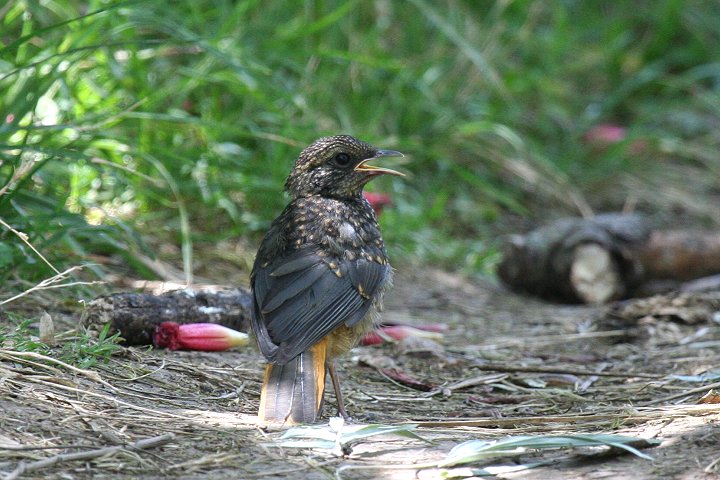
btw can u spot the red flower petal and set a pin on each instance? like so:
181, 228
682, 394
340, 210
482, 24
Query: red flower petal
208, 337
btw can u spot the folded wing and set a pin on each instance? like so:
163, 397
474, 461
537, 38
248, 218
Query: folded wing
299, 299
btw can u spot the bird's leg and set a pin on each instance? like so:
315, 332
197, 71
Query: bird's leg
338, 393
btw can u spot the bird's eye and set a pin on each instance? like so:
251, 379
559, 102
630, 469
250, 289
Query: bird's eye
342, 159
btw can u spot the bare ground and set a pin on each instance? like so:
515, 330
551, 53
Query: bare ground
529, 368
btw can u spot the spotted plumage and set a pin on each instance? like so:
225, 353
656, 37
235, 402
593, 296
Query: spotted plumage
321, 270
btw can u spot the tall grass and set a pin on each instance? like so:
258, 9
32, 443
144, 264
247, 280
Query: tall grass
181, 119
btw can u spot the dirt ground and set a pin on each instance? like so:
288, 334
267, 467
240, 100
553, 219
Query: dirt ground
507, 366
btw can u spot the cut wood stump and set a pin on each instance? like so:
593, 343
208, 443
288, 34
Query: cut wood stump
605, 258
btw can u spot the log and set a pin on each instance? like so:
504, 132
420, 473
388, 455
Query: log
681, 254
136, 315
606, 258
576, 260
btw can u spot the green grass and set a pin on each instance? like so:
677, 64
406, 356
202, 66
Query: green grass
86, 350
21, 337
82, 350
178, 121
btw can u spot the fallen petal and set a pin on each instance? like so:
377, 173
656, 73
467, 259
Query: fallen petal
207, 337
397, 332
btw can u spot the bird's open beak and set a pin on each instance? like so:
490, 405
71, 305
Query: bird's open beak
364, 167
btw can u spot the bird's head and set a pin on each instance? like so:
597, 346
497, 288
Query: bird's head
336, 166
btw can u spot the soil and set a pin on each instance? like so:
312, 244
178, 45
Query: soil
528, 367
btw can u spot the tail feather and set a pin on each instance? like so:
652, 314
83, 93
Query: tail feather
293, 393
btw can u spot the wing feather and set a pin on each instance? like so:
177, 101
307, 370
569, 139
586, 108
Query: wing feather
299, 299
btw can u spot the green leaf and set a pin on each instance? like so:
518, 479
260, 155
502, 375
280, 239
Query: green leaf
477, 450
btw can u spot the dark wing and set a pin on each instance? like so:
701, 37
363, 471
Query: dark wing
299, 299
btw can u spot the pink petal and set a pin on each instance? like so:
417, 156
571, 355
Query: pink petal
378, 201
605, 134
397, 332
208, 337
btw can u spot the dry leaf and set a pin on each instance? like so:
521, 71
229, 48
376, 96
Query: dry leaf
404, 379
710, 397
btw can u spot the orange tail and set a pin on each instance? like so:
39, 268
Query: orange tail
293, 393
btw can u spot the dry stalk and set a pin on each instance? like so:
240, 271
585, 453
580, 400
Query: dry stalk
494, 367
107, 398
50, 283
89, 374
24, 237
684, 393
90, 455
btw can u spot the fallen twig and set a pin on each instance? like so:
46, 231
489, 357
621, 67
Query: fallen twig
89, 455
94, 376
711, 466
641, 414
539, 340
470, 382
514, 421
494, 367
685, 393
107, 398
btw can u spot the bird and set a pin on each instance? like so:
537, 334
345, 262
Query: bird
319, 277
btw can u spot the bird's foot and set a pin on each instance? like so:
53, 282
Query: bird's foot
342, 413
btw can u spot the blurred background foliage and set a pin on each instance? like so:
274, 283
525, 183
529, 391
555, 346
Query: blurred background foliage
129, 129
